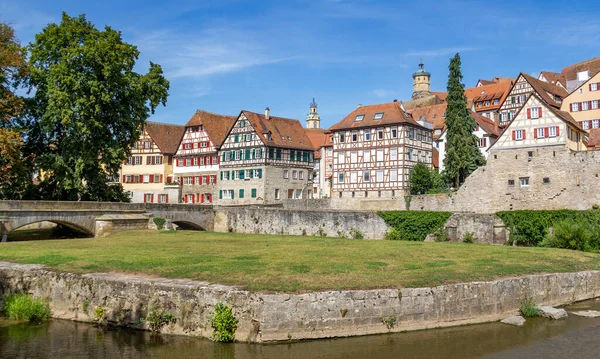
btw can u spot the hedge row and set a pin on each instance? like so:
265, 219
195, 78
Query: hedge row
414, 225
531, 227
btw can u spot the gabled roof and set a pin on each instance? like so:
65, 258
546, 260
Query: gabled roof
319, 137
554, 78
592, 65
435, 115
216, 126
435, 99
166, 136
441, 95
495, 90
285, 132
392, 115
543, 88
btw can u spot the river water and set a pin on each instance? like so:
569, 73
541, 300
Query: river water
574, 337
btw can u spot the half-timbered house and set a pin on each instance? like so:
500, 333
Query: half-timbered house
197, 161
525, 85
150, 167
374, 148
323, 161
264, 159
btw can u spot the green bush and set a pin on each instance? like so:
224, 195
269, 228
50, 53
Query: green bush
414, 225
393, 234
160, 222
571, 234
157, 319
531, 228
441, 235
468, 237
223, 323
25, 307
528, 308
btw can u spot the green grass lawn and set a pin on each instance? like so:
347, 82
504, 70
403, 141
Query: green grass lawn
293, 263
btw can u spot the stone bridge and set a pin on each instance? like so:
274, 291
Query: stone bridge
98, 219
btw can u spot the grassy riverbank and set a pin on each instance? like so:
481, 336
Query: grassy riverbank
293, 263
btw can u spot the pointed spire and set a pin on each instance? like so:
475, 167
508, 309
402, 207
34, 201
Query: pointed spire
313, 103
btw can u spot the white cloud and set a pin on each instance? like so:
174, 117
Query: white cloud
383, 93
438, 52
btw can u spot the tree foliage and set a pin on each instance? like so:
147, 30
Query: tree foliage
420, 179
87, 110
462, 154
13, 66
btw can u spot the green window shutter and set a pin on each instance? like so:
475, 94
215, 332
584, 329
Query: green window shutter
232, 194
278, 154
221, 176
241, 193
253, 193
247, 153
260, 153
241, 174
292, 153
271, 153
232, 155
251, 173
220, 194
260, 173
236, 138
253, 151
232, 175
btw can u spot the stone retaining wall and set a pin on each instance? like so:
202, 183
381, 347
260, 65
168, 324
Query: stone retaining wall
278, 316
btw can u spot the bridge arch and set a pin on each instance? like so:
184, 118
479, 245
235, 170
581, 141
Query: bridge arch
187, 225
73, 230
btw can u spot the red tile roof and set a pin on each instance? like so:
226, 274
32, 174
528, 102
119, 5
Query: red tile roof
319, 137
554, 78
592, 65
544, 89
166, 136
495, 90
392, 115
594, 139
285, 132
216, 126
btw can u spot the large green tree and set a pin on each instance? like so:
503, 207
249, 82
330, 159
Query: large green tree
87, 108
462, 154
13, 67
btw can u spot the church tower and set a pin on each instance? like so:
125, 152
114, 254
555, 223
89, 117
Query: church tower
421, 83
313, 120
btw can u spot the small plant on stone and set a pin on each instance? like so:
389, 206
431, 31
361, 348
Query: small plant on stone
356, 234
390, 322
223, 323
341, 234
321, 232
157, 319
393, 234
25, 307
99, 314
441, 235
468, 237
528, 308
159, 222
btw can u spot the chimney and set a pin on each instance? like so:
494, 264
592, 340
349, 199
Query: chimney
395, 100
359, 105
267, 113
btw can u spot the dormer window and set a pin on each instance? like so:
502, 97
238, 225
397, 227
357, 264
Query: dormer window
444, 115
289, 138
378, 116
434, 115
268, 136
359, 118
283, 137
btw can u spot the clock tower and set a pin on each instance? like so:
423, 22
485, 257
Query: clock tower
313, 119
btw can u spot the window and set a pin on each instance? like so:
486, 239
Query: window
541, 133
237, 155
286, 174
340, 157
359, 117
594, 86
535, 112
487, 103
595, 123
146, 178
147, 144
378, 116
411, 133
353, 177
496, 101
354, 157
380, 133
410, 154
585, 125
522, 98
394, 132
511, 183
594, 104
483, 142
368, 135
552, 132
393, 154
248, 174
294, 174
366, 176
242, 123
546, 180
379, 155
156, 179
581, 90
512, 100
380, 176
341, 177
574, 107
277, 193
138, 160
354, 136
301, 175
394, 175
342, 138
148, 197
518, 135
524, 181
298, 194
162, 198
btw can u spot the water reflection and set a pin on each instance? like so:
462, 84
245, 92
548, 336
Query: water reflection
540, 338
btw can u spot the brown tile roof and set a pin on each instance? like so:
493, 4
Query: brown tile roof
495, 90
285, 132
435, 115
216, 126
592, 65
594, 139
543, 88
441, 95
166, 136
319, 137
434, 99
392, 114
554, 78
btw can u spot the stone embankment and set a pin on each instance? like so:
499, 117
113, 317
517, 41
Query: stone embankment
122, 300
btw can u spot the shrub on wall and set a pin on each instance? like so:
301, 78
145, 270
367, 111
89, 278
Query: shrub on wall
224, 324
25, 307
414, 225
159, 222
570, 228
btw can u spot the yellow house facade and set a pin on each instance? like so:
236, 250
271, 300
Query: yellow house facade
584, 103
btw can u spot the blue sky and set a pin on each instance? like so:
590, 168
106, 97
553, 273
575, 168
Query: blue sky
227, 55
